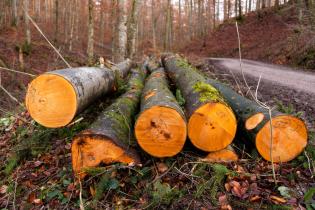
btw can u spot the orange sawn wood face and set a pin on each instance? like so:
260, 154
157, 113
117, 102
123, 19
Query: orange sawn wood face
51, 101
161, 131
212, 127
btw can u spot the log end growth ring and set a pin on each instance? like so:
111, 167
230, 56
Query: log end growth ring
161, 131
212, 127
51, 100
91, 150
289, 138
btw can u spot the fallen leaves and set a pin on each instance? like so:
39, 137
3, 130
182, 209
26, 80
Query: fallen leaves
162, 167
3, 189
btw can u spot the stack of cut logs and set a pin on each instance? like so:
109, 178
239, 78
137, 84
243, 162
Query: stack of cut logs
210, 116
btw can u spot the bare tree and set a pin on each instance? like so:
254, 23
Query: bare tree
90, 46
15, 21
132, 29
56, 19
122, 31
27, 23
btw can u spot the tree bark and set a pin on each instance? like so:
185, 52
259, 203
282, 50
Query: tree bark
154, 22
161, 126
15, 21
132, 29
27, 23
212, 124
54, 98
109, 138
90, 46
122, 32
289, 133
56, 19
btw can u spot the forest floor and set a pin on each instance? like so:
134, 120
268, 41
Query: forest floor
35, 162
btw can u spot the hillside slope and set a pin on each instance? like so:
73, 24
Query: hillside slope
268, 35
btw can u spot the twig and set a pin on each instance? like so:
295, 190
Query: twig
15, 187
20, 72
309, 164
40, 31
80, 196
263, 105
166, 172
10, 95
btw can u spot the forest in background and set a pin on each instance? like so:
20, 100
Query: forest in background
120, 27
36, 170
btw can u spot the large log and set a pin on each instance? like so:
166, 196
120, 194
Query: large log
109, 138
161, 126
54, 98
212, 124
289, 132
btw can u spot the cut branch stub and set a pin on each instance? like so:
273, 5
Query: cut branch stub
212, 124
109, 138
289, 132
161, 126
54, 98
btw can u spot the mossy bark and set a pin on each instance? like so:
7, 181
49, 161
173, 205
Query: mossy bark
116, 121
193, 85
244, 109
157, 93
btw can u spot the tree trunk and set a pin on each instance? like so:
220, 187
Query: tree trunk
27, 23
154, 21
56, 19
90, 46
212, 124
132, 29
102, 22
161, 126
258, 4
289, 133
122, 31
54, 98
109, 138
167, 41
249, 5
225, 9
240, 13
15, 13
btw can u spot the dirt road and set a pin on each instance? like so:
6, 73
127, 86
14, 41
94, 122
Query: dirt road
288, 85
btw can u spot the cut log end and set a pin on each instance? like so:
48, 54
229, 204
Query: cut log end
161, 131
92, 150
225, 155
51, 100
254, 121
212, 127
289, 138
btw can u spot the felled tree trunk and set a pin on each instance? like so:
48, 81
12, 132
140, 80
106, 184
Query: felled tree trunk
212, 124
161, 126
289, 132
54, 98
224, 155
109, 138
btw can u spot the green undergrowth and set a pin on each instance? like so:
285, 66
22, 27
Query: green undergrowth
33, 140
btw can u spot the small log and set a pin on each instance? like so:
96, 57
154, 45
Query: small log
225, 155
109, 138
54, 98
161, 126
289, 132
212, 124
